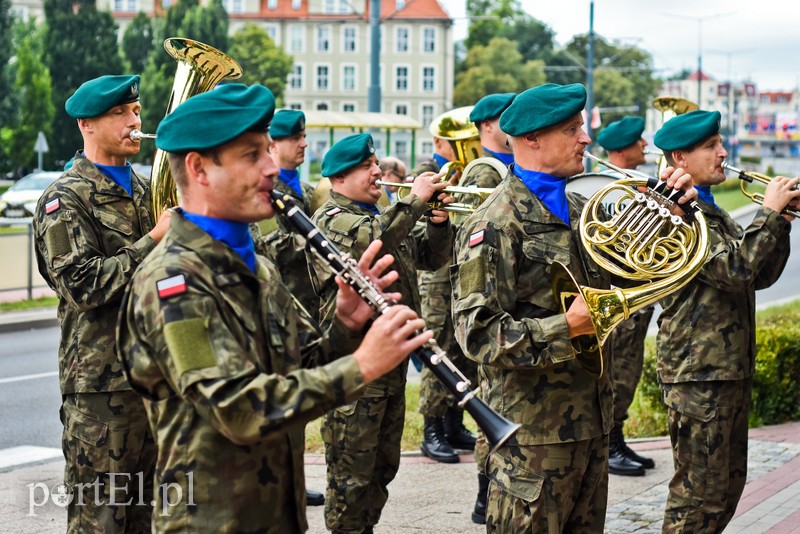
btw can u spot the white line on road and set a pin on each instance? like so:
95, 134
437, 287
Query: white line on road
27, 377
26, 454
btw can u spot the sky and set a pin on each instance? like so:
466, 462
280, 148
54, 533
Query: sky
740, 39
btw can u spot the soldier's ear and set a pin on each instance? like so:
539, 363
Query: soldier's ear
195, 167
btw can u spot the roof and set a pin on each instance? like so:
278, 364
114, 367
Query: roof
337, 119
693, 76
413, 9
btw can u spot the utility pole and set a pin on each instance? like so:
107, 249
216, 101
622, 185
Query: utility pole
590, 80
374, 91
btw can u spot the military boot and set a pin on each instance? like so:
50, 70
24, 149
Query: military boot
629, 453
434, 445
479, 512
618, 463
457, 435
314, 498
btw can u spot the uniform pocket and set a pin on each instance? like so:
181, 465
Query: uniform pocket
514, 479
88, 439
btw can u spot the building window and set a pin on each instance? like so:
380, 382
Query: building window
322, 106
296, 38
348, 107
296, 4
349, 36
337, 7
272, 31
166, 4
323, 38
296, 77
429, 40
232, 6
401, 40
428, 79
399, 4
401, 109
401, 79
272, 4
323, 72
427, 148
401, 149
126, 6
348, 77
427, 115
295, 105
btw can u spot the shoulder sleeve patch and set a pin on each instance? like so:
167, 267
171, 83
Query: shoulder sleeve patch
168, 287
472, 276
476, 238
189, 345
53, 205
333, 211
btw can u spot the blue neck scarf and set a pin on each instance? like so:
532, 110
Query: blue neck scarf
551, 190
440, 160
507, 159
704, 194
120, 174
292, 179
234, 234
371, 207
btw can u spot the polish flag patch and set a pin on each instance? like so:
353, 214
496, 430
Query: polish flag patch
476, 238
333, 211
52, 206
168, 287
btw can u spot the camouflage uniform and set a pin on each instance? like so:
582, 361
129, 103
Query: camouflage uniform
286, 249
554, 471
219, 365
87, 248
627, 345
362, 439
706, 371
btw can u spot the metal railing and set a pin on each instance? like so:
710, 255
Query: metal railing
18, 270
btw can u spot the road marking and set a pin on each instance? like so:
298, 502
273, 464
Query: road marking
20, 378
26, 454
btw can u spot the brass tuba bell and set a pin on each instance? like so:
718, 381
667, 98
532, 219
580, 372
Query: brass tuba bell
462, 134
200, 68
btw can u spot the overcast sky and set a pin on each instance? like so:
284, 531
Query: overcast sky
741, 39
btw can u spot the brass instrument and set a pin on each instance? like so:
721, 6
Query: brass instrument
137, 135
636, 237
670, 106
750, 177
461, 133
200, 68
482, 193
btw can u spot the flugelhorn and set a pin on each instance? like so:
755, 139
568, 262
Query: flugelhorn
635, 237
750, 177
480, 194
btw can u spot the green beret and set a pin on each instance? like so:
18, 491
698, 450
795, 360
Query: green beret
347, 153
213, 118
621, 134
97, 96
491, 106
542, 106
687, 129
286, 123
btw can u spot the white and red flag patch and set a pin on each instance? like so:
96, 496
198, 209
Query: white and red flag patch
174, 285
333, 211
476, 238
52, 206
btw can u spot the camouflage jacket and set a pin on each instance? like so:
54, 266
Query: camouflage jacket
286, 249
352, 228
707, 330
429, 165
507, 319
90, 237
219, 363
482, 175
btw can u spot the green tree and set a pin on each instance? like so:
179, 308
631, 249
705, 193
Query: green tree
7, 98
208, 25
80, 44
137, 43
36, 110
262, 62
495, 68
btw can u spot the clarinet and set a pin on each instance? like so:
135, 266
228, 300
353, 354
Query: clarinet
495, 427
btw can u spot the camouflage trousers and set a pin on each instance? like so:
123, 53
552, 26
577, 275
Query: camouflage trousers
708, 430
627, 346
362, 452
110, 462
555, 488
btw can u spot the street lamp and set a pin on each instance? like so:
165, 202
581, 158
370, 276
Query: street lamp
732, 140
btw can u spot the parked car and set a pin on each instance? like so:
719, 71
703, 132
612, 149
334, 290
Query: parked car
20, 199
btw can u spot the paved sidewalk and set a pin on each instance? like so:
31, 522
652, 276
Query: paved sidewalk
427, 497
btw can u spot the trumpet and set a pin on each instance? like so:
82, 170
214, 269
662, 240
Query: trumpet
137, 135
747, 177
482, 193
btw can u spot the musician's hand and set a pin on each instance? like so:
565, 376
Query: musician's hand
440, 216
352, 310
579, 321
780, 193
161, 227
681, 180
389, 340
427, 184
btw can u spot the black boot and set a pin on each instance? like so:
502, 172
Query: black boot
479, 513
629, 453
618, 463
434, 445
457, 435
314, 498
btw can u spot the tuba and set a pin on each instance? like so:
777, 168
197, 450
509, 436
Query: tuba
200, 68
636, 237
462, 134
670, 106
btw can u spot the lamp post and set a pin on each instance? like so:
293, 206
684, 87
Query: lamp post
733, 93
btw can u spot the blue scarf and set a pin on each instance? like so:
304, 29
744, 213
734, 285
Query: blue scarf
440, 160
551, 190
234, 234
371, 207
292, 179
704, 194
507, 159
120, 174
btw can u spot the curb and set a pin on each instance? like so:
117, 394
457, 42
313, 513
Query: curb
28, 319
